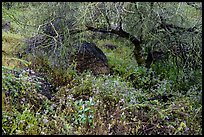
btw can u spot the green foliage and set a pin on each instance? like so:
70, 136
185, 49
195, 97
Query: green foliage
57, 74
20, 88
119, 61
84, 112
25, 123
165, 99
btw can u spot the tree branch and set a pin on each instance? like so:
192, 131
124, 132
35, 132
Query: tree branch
123, 34
168, 27
192, 4
75, 31
137, 50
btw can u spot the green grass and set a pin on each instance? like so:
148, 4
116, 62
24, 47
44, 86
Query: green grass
106, 104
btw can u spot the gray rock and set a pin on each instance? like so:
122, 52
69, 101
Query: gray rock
90, 57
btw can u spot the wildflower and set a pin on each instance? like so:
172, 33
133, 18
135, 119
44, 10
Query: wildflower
45, 121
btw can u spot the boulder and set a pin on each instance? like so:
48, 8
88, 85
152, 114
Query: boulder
43, 44
90, 57
110, 46
57, 26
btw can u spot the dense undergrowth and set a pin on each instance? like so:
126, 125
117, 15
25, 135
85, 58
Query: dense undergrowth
131, 100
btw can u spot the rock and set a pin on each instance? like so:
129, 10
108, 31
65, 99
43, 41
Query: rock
44, 87
26, 87
34, 42
158, 55
90, 57
154, 56
110, 46
6, 26
42, 43
58, 25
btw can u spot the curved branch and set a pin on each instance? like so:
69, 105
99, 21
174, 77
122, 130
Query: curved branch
137, 50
